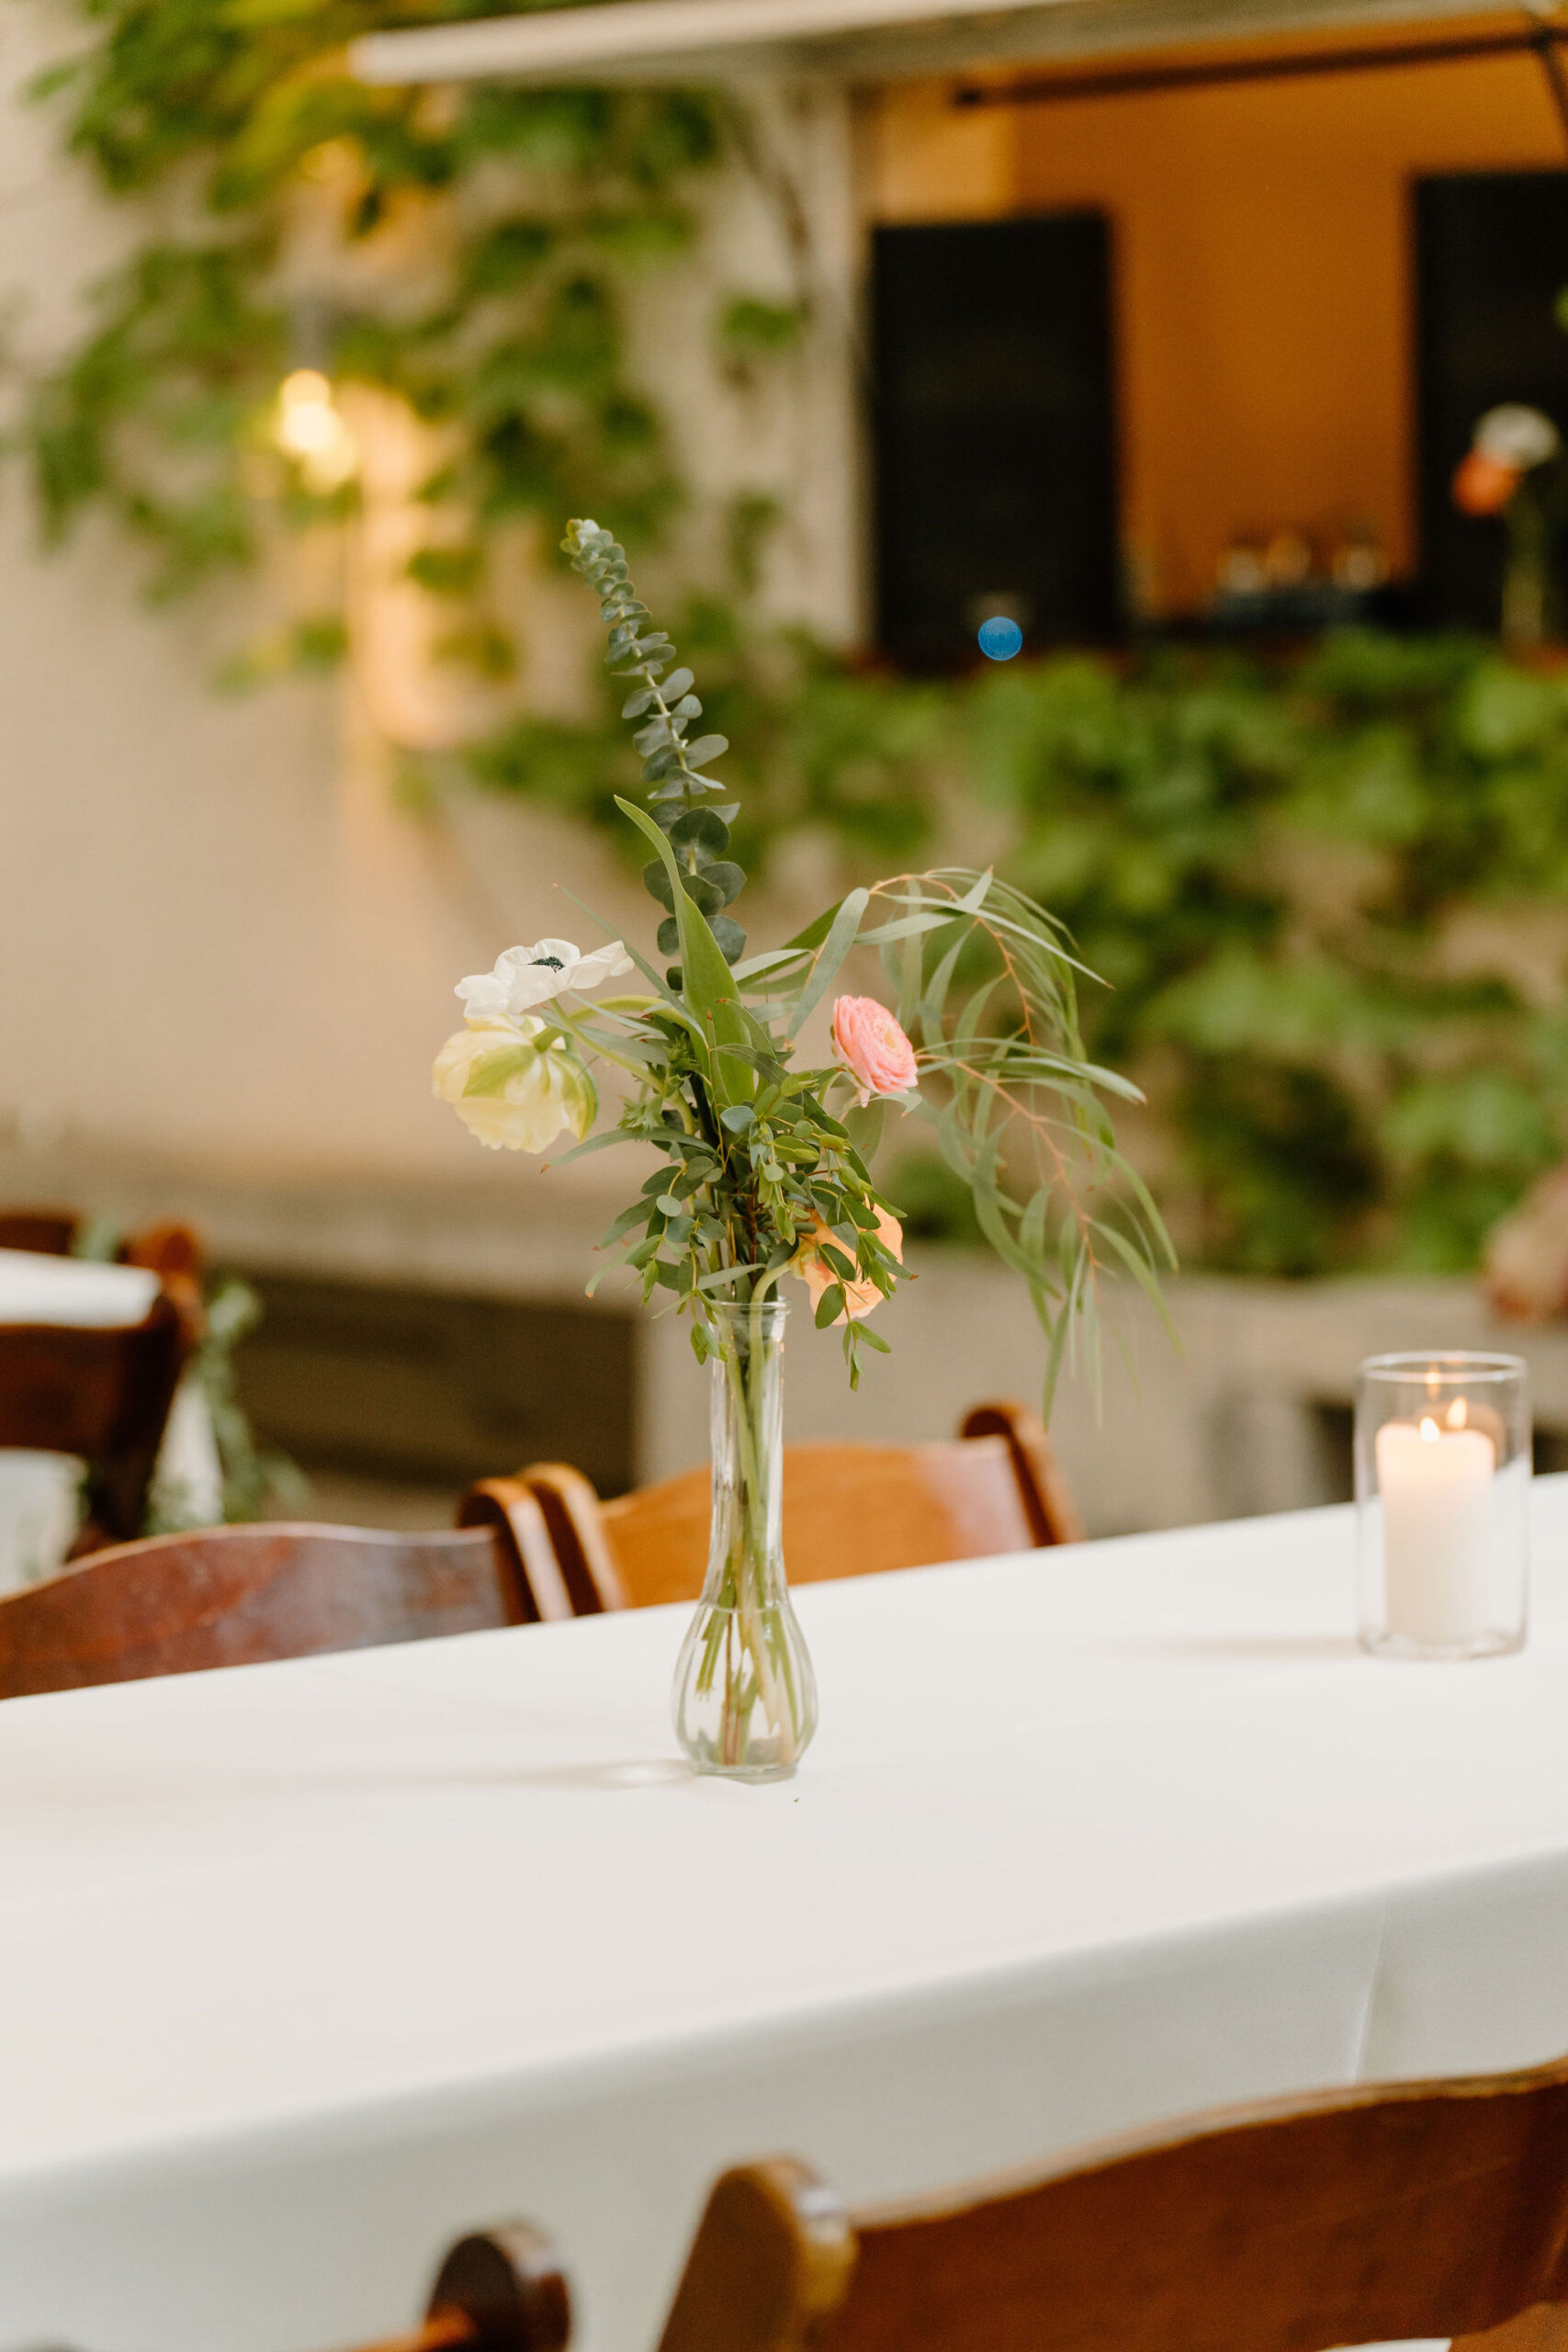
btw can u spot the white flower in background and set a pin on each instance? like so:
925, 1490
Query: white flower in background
513, 1094
1517, 437
525, 977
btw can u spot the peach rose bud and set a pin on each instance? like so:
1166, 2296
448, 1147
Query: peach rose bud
818, 1276
1484, 485
873, 1048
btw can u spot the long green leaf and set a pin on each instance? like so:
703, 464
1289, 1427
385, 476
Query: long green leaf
829, 961
707, 982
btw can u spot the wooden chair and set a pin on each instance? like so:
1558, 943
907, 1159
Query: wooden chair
104, 1394
237, 1596
1352, 2217
847, 1511
500, 2290
52, 1232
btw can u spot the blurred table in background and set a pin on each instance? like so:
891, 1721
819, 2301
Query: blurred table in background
39, 1492
424, 1334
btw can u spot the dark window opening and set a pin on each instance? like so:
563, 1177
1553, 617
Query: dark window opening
994, 434
1491, 259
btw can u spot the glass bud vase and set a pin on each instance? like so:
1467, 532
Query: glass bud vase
745, 1696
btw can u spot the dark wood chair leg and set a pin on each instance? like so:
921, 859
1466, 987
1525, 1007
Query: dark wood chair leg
771, 2262
506, 2285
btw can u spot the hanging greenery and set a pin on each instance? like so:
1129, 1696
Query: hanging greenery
1329, 895
466, 250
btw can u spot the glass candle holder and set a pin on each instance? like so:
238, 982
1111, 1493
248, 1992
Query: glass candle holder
1442, 1504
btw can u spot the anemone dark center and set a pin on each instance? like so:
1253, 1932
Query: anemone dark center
549, 963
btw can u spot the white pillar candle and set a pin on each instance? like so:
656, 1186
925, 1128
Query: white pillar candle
1434, 1483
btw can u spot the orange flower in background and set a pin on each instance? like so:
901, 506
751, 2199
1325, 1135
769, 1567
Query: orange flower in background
1484, 485
873, 1048
818, 1276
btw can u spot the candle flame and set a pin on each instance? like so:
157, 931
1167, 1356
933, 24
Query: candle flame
1430, 1430
1458, 1414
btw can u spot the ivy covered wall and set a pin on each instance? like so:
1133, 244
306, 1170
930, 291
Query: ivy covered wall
1327, 894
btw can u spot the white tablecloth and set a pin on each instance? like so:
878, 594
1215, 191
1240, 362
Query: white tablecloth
38, 1288
304, 1967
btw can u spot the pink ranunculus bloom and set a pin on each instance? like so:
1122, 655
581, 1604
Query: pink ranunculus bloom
873, 1048
1484, 484
817, 1274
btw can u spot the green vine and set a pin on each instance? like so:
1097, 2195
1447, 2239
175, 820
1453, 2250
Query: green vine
1330, 1088
480, 245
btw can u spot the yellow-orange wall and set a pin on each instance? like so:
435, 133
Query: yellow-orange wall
1263, 264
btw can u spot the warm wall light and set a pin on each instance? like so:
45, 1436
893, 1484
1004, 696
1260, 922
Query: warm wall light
311, 431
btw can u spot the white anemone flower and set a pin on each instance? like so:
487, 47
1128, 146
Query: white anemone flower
522, 1095
525, 977
1517, 437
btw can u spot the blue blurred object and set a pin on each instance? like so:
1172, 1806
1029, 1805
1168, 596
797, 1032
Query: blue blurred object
1000, 638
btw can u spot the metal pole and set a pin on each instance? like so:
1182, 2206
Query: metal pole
1543, 39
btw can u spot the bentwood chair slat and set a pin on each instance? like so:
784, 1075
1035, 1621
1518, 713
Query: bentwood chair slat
1373, 2215
239, 1596
847, 1511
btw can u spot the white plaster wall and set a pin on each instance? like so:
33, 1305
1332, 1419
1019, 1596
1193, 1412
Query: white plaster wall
222, 946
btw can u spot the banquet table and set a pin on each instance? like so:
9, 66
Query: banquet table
305, 1968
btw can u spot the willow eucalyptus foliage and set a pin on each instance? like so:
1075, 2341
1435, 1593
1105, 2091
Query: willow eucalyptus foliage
767, 1162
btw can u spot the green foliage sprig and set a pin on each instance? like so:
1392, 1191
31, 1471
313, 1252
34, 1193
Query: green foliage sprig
665, 705
768, 1163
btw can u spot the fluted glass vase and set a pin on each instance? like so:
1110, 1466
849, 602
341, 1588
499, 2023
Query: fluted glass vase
745, 1696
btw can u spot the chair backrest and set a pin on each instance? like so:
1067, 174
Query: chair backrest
1352, 2217
238, 1596
847, 1511
103, 1393
52, 1232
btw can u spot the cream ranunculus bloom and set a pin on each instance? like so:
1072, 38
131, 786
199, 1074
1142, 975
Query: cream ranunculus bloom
1517, 437
535, 1095
525, 977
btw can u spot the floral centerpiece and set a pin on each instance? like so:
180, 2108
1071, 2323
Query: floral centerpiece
1514, 468
764, 1163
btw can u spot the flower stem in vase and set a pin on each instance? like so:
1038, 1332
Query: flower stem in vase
745, 1696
